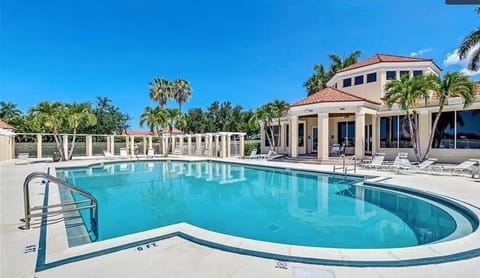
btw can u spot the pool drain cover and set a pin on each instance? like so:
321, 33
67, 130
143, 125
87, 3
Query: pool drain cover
273, 227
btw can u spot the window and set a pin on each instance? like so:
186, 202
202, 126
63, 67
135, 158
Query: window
347, 82
287, 135
301, 134
371, 77
359, 80
467, 135
391, 75
404, 72
395, 132
276, 137
417, 73
346, 134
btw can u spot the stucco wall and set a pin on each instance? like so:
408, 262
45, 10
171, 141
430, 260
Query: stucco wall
6, 147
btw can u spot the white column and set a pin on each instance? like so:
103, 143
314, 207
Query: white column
132, 145
145, 147
88, 147
39, 146
293, 136
242, 145
359, 134
210, 145
224, 146
322, 136
150, 143
198, 140
423, 130
112, 144
189, 144
229, 145
375, 134
65, 145
216, 154
174, 144
180, 144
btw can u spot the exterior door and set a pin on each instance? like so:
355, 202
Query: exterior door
314, 139
368, 139
301, 148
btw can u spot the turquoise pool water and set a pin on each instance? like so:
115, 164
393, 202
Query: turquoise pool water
268, 204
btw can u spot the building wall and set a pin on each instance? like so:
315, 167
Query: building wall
7, 146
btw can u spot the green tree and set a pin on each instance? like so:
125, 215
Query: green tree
161, 91
77, 114
339, 63
406, 91
9, 111
51, 116
277, 107
471, 42
453, 84
109, 118
263, 117
154, 118
181, 92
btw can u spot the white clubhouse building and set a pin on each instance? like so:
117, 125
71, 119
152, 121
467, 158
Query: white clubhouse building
350, 112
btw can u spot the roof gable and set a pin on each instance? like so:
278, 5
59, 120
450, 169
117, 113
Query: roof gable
330, 94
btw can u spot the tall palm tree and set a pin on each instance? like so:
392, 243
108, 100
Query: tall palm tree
262, 117
469, 43
160, 91
277, 108
79, 113
9, 110
453, 84
317, 80
50, 115
181, 92
406, 91
339, 63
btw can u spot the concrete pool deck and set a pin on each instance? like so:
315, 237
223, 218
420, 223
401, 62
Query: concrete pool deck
178, 257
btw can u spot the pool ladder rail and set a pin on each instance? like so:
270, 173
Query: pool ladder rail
344, 167
92, 206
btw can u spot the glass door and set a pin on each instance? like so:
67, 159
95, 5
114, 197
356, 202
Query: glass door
314, 139
368, 139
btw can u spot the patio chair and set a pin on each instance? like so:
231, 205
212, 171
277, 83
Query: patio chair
22, 158
151, 153
124, 153
462, 167
253, 154
425, 166
375, 162
335, 150
108, 155
401, 162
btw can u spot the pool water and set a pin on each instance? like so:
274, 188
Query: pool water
268, 204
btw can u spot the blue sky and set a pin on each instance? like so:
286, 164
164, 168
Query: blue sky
248, 52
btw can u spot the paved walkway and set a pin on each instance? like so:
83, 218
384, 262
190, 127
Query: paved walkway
176, 257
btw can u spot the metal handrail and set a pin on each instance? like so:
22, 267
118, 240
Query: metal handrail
93, 207
344, 167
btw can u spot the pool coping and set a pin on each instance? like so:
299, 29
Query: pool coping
459, 249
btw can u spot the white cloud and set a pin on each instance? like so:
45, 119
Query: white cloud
453, 59
420, 52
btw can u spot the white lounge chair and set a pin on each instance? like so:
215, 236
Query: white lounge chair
425, 166
124, 153
253, 154
375, 162
462, 167
108, 155
22, 158
401, 162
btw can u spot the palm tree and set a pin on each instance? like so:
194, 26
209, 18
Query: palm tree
160, 91
406, 91
9, 110
277, 108
51, 116
79, 113
453, 84
317, 81
338, 63
263, 116
181, 92
469, 43
155, 118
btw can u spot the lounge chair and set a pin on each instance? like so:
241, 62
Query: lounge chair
253, 154
108, 155
124, 153
22, 158
401, 162
150, 153
375, 162
424, 166
462, 167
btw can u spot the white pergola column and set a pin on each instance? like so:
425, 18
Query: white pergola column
210, 145
180, 144
198, 141
294, 136
39, 146
229, 145
65, 145
322, 136
88, 145
242, 145
132, 145
112, 144
145, 147
174, 144
216, 154
189, 144
224, 146
375, 134
150, 143
423, 126
359, 134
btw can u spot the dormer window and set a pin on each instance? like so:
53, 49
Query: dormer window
359, 80
347, 82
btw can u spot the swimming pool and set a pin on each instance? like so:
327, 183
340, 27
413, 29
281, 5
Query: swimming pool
267, 204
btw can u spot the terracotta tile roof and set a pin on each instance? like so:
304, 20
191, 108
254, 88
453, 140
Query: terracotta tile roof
435, 95
174, 131
330, 94
137, 133
379, 58
4, 125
